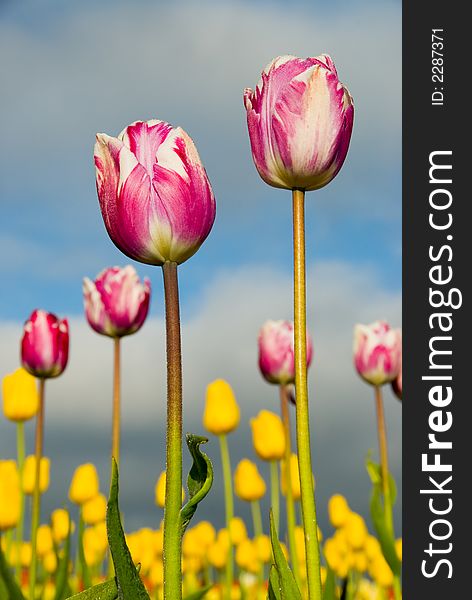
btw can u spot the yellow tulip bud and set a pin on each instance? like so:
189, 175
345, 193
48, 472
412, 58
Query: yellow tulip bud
205, 533
160, 490
217, 555
156, 573
248, 483
263, 548
191, 544
95, 544
20, 395
300, 543
221, 413
359, 561
246, 556
44, 541
222, 539
338, 510
398, 548
372, 547
9, 494
381, 572
268, 436
26, 554
60, 525
295, 477
238, 530
356, 531
50, 562
84, 485
94, 510
159, 542
29, 474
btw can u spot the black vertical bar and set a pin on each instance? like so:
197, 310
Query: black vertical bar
436, 126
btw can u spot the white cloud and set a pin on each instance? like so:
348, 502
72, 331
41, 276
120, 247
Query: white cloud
219, 340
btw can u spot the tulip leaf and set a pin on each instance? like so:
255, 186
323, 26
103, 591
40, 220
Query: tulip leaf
377, 513
287, 585
128, 581
199, 594
329, 591
6, 576
63, 568
199, 480
102, 591
273, 593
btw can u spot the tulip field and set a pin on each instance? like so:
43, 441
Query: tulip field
158, 208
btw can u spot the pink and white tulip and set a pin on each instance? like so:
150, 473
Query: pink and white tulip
155, 196
116, 303
45, 344
377, 352
276, 352
300, 120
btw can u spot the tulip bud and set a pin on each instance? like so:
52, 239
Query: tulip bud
356, 531
44, 541
268, 436
60, 520
294, 474
238, 531
246, 556
397, 383
155, 197
338, 510
116, 303
221, 413
263, 548
94, 510
248, 483
50, 562
300, 122
377, 352
45, 344
84, 485
276, 352
20, 396
160, 490
9, 495
29, 474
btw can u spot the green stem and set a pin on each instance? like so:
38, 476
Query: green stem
301, 385
274, 493
256, 517
382, 434
290, 505
36, 508
397, 588
20, 444
229, 510
116, 415
173, 502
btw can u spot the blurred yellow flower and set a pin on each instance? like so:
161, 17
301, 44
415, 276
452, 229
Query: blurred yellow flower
338, 510
238, 530
84, 485
205, 533
398, 548
94, 510
356, 531
294, 475
60, 525
372, 547
156, 573
246, 556
160, 490
44, 541
300, 543
50, 562
25, 554
221, 414
268, 436
20, 395
9, 494
263, 548
29, 474
217, 554
95, 545
248, 483
381, 572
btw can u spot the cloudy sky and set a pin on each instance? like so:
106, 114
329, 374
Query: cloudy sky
69, 70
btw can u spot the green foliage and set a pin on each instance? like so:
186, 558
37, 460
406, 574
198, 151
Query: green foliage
199, 480
329, 592
286, 581
274, 586
199, 594
102, 591
377, 512
128, 581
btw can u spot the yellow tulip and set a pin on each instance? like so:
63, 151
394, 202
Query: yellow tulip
94, 548
300, 543
398, 548
268, 436
160, 490
94, 510
217, 554
44, 541
238, 530
192, 545
295, 477
248, 483
60, 525
356, 531
221, 413
338, 510
246, 556
372, 547
84, 485
205, 533
9, 494
50, 562
263, 548
25, 554
156, 573
29, 474
20, 395
381, 572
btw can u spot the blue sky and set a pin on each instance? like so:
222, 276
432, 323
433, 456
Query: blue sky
69, 70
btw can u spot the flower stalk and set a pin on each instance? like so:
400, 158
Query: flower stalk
274, 492
20, 445
229, 510
301, 385
36, 507
290, 505
173, 502
116, 418
382, 435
